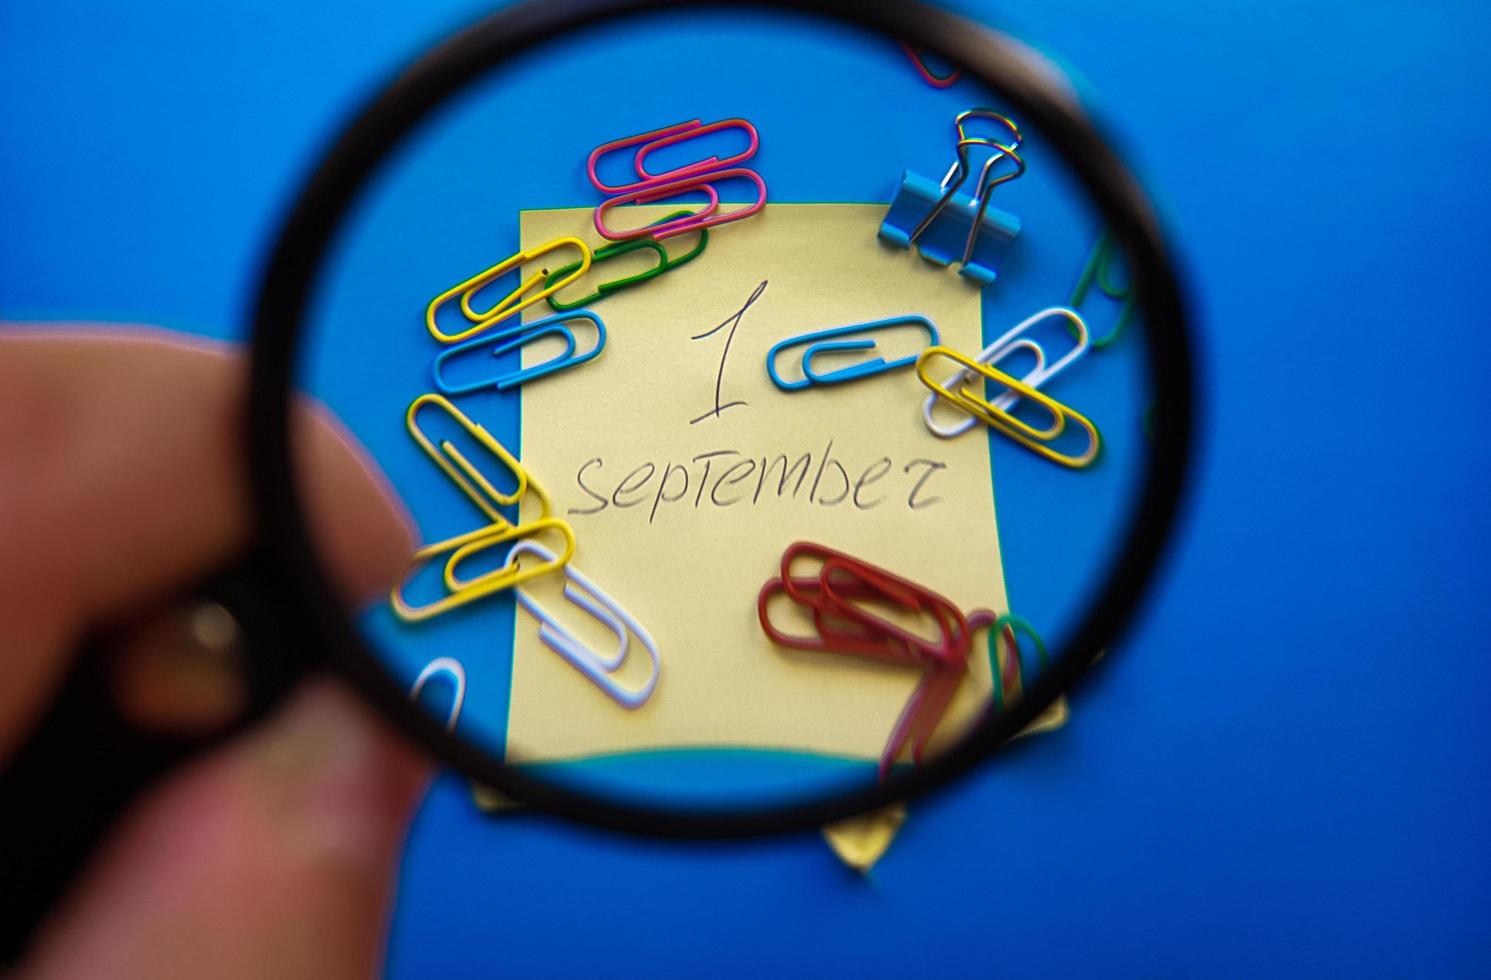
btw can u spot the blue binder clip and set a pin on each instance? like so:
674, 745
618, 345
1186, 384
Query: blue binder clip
948, 227
551, 326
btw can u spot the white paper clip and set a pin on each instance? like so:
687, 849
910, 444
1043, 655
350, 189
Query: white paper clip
1003, 347
457, 674
590, 597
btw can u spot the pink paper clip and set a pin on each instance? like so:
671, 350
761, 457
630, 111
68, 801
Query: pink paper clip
707, 218
936, 81
677, 129
707, 164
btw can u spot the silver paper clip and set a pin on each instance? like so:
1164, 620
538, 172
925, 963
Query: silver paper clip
590, 597
453, 669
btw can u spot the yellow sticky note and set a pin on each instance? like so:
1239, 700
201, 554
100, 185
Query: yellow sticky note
685, 473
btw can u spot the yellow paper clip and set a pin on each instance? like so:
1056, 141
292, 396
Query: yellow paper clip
486, 496
459, 468
509, 574
1027, 435
512, 573
514, 302
464, 545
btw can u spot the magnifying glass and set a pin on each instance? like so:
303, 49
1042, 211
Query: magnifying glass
792, 400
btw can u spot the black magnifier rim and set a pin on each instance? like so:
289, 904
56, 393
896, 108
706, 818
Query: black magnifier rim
356, 155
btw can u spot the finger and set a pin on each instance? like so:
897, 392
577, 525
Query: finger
121, 479
272, 858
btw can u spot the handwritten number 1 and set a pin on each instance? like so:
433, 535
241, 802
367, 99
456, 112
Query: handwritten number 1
733, 322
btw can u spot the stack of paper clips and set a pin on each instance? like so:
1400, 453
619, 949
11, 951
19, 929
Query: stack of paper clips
699, 176
482, 491
856, 608
962, 390
519, 539
492, 331
842, 597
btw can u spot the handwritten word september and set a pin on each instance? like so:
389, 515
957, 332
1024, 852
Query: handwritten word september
724, 478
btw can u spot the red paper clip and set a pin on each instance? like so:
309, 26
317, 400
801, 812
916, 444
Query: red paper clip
936, 81
852, 638
841, 599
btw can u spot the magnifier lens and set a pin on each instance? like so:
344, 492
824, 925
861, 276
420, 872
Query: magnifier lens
612, 440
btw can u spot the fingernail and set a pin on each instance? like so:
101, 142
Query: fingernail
338, 783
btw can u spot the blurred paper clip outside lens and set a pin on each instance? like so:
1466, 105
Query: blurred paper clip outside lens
1098, 271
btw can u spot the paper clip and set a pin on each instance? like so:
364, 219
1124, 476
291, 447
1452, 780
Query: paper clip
611, 251
876, 585
463, 546
657, 138
921, 716
1099, 269
584, 593
846, 640
819, 343
1004, 347
1009, 677
946, 227
485, 495
459, 468
678, 226
552, 326
457, 674
974, 403
844, 625
593, 160
712, 163
936, 81
514, 302
510, 574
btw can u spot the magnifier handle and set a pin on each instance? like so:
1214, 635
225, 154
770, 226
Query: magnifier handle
84, 763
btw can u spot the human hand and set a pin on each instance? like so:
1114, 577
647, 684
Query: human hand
120, 483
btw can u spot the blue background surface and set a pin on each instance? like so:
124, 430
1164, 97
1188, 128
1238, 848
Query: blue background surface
1286, 770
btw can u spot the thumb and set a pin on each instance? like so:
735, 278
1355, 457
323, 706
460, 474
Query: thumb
273, 857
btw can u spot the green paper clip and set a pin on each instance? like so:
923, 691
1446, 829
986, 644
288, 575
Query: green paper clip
621, 248
1099, 270
1014, 624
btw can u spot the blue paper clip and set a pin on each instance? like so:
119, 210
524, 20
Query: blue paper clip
948, 227
551, 326
819, 344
